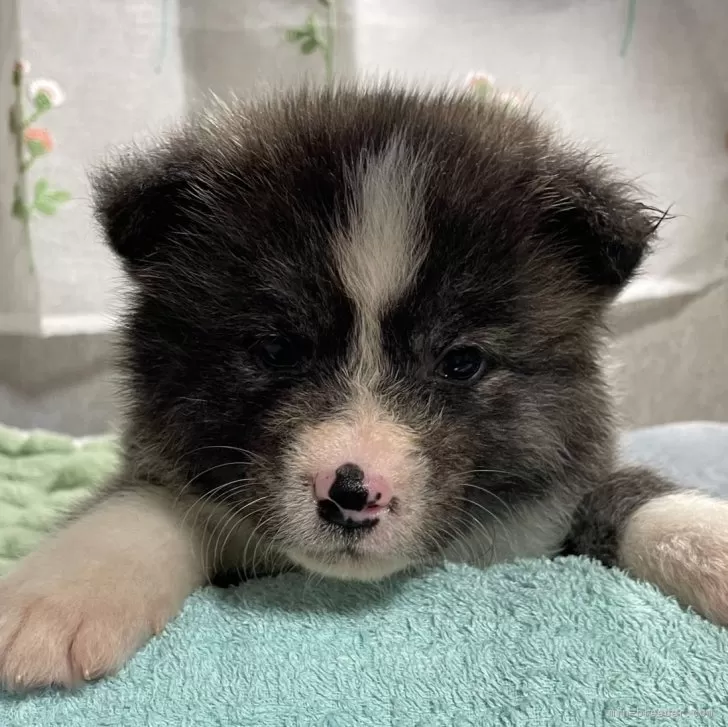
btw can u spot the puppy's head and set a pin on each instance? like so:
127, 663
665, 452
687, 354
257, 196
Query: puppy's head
367, 321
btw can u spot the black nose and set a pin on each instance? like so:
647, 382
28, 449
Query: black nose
347, 493
348, 490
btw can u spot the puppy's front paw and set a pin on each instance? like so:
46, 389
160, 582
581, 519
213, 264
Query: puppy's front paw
64, 631
680, 543
79, 606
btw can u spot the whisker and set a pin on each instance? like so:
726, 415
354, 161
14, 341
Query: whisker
463, 540
480, 488
234, 520
247, 545
207, 497
201, 502
505, 473
439, 546
204, 472
257, 543
271, 545
208, 535
240, 450
488, 512
491, 515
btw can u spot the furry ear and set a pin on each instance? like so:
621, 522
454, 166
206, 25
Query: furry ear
140, 201
599, 226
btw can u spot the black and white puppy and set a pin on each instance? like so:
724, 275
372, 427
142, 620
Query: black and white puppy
365, 335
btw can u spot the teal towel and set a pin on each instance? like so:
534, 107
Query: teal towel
560, 643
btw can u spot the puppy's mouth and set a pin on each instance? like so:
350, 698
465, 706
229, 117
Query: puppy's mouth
356, 534
352, 544
345, 522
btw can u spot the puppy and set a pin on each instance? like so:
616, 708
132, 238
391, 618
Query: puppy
365, 336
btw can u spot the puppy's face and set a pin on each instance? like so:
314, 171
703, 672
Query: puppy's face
366, 322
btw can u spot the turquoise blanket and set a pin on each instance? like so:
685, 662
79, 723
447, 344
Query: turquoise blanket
563, 642
537, 643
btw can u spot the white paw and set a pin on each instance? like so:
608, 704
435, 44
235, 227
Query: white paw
92, 594
67, 631
679, 542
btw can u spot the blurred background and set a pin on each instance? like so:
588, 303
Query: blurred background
645, 82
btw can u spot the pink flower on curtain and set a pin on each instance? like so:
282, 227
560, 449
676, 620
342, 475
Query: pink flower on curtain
41, 136
22, 66
479, 81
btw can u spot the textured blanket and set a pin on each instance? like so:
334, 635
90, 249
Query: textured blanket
563, 642
41, 474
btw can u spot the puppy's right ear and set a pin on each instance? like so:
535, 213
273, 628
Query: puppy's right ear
140, 201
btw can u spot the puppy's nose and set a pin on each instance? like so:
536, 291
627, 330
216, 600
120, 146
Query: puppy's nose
348, 490
350, 496
352, 489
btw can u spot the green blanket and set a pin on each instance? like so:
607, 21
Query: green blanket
40, 474
563, 642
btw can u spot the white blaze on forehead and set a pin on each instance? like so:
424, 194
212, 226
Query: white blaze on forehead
377, 256
380, 253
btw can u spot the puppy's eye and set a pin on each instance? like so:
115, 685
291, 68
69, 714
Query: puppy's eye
282, 352
461, 363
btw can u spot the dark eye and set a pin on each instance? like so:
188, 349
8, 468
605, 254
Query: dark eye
461, 363
282, 352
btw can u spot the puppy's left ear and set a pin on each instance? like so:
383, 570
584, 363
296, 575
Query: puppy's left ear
598, 226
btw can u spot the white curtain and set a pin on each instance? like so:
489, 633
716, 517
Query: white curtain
645, 82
